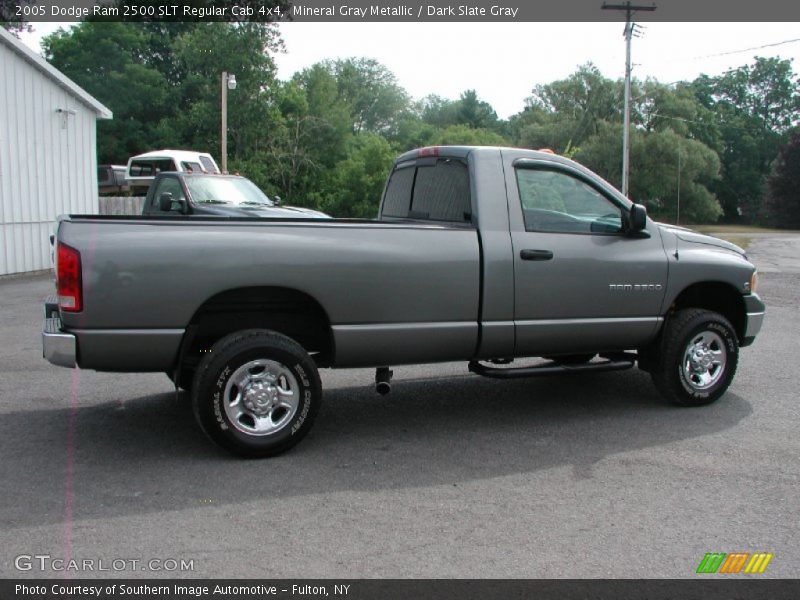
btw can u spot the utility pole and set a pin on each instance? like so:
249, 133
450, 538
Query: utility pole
630, 28
223, 133
227, 82
678, 213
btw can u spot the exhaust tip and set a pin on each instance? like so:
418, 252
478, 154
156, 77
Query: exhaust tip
383, 379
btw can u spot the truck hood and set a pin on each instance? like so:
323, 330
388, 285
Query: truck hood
275, 212
694, 237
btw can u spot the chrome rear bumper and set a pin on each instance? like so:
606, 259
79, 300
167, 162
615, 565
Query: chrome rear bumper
58, 347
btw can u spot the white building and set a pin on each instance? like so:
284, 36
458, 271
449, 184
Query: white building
48, 154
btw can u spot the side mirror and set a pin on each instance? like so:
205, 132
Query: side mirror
166, 203
637, 219
276, 200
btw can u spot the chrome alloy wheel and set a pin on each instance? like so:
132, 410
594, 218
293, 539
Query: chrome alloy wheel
261, 397
704, 360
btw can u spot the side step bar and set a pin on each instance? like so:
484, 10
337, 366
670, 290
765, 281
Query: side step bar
614, 362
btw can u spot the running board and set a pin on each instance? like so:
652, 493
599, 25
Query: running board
613, 362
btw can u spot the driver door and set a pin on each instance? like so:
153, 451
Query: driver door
581, 283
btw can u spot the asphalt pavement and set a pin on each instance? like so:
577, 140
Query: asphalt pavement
451, 475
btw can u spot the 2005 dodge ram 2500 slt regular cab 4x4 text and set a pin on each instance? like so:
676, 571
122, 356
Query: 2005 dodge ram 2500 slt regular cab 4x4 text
479, 254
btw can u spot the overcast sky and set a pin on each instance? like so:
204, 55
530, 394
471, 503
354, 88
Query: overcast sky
503, 61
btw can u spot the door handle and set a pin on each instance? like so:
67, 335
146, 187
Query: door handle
535, 254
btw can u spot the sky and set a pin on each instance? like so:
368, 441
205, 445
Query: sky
504, 61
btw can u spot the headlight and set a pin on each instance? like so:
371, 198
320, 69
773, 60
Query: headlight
753, 282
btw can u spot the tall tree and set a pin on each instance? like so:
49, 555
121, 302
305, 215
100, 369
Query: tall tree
782, 203
370, 90
200, 55
562, 114
669, 169
354, 187
755, 106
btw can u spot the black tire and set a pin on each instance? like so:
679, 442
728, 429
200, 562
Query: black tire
185, 379
239, 383
688, 383
571, 359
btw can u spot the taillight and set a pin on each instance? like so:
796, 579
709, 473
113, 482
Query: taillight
68, 278
429, 151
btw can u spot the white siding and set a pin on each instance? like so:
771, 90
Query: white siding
48, 161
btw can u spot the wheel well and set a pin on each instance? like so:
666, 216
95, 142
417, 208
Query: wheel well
720, 297
287, 311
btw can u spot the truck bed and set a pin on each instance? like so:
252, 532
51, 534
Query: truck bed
401, 279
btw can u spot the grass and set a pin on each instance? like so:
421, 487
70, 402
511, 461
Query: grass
737, 234
740, 229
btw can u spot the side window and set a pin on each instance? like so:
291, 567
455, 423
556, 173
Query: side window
553, 201
436, 190
208, 164
167, 185
191, 167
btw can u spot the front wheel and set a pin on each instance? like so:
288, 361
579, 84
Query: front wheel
697, 358
256, 393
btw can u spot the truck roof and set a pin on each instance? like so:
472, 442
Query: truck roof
176, 154
464, 151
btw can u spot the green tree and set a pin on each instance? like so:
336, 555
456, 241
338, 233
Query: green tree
468, 110
464, 135
354, 187
475, 113
162, 81
562, 114
437, 111
782, 203
668, 167
370, 90
201, 54
755, 106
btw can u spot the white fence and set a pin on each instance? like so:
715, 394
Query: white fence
121, 205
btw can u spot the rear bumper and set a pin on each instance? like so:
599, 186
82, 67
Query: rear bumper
754, 318
58, 347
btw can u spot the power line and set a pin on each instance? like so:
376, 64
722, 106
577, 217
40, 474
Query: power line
728, 53
753, 129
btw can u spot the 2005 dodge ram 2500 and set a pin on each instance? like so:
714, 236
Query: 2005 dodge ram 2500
479, 254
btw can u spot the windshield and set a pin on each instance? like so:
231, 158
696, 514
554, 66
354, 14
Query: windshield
226, 190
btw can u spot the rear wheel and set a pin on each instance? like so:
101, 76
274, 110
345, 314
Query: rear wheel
185, 379
697, 358
256, 393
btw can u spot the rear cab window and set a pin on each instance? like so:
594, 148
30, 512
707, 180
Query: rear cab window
429, 189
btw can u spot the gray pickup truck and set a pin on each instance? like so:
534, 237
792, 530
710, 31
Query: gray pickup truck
213, 194
485, 255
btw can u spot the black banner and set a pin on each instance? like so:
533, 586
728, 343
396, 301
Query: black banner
399, 11
421, 589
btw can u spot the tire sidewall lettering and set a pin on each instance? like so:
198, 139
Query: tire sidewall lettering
307, 398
